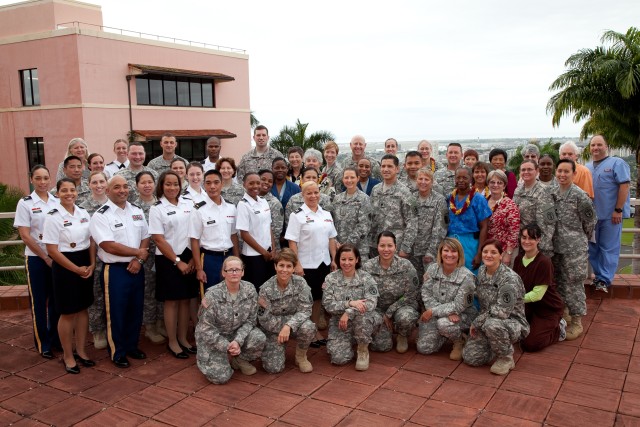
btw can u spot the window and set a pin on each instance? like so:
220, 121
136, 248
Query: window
171, 91
30, 87
35, 151
192, 149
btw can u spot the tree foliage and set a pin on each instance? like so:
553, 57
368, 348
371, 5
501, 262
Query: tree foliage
253, 120
296, 135
549, 147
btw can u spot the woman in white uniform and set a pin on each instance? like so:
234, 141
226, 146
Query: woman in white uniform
30, 215
69, 244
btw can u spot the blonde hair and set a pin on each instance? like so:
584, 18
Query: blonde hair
229, 259
426, 171
306, 184
454, 244
94, 173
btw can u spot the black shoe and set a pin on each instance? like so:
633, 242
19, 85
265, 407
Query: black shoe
71, 369
315, 344
121, 362
87, 363
47, 354
192, 350
322, 342
181, 355
136, 354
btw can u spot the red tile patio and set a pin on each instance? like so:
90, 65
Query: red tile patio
591, 381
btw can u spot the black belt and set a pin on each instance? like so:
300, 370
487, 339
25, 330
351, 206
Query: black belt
216, 253
121, 263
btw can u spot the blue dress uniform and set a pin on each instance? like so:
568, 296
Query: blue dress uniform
31, 212
123, 291
213, 225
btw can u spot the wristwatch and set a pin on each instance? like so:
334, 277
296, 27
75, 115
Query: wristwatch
176, 261
618, 210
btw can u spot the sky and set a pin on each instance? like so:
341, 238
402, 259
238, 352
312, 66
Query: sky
408, 69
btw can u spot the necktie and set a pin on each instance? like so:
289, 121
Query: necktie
122, 166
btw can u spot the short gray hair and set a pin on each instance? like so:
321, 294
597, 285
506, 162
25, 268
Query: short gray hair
572, 145
312, 152
531, 148
498, 173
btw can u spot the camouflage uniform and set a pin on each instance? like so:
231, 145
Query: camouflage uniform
393, 209
445, 295
233, 194
352, 220
348, 162
83, 190
433, 216
223, 320
446, 179
333, 178
501, 321
153, 309
537, 205
338, 291
159, 164
253, 162
97, 317
292, 307
277, 217
130, 176
397, 299
576, 222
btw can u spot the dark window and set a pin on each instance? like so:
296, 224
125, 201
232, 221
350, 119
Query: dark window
170, 91
192, 149
30, 87
35, 151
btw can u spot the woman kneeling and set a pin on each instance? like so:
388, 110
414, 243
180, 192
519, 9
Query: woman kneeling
227, 326
285, 309
350, 296
447, 294
502, 320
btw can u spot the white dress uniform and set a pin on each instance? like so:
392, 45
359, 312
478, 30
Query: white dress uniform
208, 165
123, 290
72, 235
111, 168
31, 212
172, 221
190, 194
254, 217
311, 231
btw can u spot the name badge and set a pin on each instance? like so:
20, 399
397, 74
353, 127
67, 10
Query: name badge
171, 213
118, 225
67, 224
213, 221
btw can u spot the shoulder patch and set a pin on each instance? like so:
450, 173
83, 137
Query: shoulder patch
298, 210
27, 198
103, 209
52, 211
157, 203
200, 204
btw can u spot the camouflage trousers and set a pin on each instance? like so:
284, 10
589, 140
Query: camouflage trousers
404, 319
359, 330
494, 339
433, 334
273, 355
570, 271
215, 364
419, 265
97, 316
153, 309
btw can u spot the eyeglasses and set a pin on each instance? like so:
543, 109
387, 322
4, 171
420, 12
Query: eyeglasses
234, 270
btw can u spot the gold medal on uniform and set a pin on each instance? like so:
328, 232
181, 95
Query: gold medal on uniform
73, 245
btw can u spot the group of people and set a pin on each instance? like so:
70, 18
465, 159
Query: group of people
272, 248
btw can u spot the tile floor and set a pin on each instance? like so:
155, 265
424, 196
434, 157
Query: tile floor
594, 380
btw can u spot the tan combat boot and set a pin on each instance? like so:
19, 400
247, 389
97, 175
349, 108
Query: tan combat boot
301, 360
456, 352
362, 363
566, 316
100, 340
245, 367
151, 333
503, 365
161, 329
574, 330
322, 320
402, 345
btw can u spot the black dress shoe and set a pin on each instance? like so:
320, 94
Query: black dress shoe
315, 344
47, 354
192, 350
87, 363
181, 355
322, 342
121, 362
71, 369
137, 354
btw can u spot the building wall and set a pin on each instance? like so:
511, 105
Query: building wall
83, 89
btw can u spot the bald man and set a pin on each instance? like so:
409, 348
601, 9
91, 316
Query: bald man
358, 146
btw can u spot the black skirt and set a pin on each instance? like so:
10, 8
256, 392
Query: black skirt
315, 278
72, 293
171, 284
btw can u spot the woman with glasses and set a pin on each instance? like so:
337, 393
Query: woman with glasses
504, 222
227, 334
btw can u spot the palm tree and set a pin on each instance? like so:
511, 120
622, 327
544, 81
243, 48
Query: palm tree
602, 85
297, 136
253, 120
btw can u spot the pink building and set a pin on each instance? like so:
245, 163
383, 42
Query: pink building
64, 75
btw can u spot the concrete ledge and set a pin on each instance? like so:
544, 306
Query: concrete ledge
14, 297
